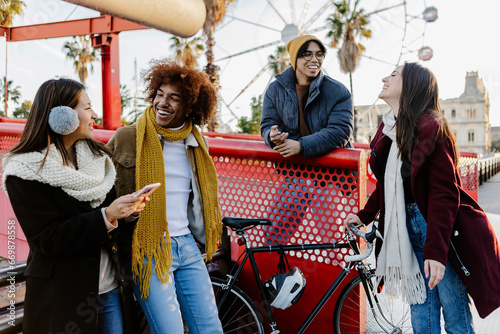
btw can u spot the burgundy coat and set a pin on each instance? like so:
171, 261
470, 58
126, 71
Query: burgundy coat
450, 213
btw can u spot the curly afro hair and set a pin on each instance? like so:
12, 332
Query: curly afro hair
198, 93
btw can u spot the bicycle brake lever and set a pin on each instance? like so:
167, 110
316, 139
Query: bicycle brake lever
372, 235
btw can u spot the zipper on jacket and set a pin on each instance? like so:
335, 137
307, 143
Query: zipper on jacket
464, 269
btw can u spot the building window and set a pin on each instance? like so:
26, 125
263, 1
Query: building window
471, 113
453, 113
471, 136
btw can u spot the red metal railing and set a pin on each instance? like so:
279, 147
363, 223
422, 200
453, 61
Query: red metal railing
12, 120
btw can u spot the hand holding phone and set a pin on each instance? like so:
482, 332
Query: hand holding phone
147, 190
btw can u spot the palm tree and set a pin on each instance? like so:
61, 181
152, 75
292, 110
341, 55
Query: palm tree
187, 50
82, 53
216, 10
23, 110
252, 125
126, 97
9, 9
13, 93
135, 113
125, 100
347, 23
280, 61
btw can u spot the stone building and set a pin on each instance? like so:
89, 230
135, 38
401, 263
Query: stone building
467, 114
495, 133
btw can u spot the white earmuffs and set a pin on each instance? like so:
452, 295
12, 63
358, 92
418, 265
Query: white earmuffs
63, 119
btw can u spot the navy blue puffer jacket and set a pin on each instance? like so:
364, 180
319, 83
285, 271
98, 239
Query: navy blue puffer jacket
328, 113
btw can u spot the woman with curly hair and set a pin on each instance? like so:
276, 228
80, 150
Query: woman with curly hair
170, 278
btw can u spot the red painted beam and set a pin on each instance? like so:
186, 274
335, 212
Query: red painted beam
105, 24
11, 129
12, 120
343, 158
468, 154
245, 136
103, 135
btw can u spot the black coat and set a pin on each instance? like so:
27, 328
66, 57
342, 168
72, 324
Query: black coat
62, 275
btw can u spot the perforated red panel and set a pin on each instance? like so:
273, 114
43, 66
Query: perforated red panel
307, 204
6, 143
468, 166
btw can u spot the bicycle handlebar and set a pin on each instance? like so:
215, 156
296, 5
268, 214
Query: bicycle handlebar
368, 237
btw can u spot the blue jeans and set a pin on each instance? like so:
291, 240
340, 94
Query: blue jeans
187, 295
450, 294
110, 313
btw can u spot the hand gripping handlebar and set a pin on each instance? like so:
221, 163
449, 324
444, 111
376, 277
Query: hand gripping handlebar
368, 237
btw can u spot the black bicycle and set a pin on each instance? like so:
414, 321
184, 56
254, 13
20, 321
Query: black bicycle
362, 306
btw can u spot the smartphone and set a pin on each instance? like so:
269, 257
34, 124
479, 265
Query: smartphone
147, 190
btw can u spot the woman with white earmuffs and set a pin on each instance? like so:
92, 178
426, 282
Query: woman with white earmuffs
60, 182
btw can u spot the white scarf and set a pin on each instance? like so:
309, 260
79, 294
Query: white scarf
91, 182
397, 263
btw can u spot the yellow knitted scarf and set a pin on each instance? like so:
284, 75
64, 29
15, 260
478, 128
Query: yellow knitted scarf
148, 239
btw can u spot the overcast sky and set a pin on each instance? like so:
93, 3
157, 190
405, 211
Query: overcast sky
464, 38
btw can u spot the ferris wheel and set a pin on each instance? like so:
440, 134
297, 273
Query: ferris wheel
253, 30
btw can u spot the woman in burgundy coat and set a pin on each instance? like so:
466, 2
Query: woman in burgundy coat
439, 246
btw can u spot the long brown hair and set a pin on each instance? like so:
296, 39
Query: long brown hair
37, 134
419, 94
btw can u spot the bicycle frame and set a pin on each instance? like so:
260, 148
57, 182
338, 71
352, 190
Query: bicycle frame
250, 251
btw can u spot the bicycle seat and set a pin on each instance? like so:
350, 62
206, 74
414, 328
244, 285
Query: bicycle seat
240, 223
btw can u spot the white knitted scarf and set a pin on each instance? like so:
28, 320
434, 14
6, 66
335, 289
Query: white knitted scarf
91, 182
397, 263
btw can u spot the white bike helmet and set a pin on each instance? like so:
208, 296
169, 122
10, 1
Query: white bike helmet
285, 289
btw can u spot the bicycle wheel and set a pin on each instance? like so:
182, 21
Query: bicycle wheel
353, 313
238, 315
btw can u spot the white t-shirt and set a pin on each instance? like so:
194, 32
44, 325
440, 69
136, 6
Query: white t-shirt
178, 177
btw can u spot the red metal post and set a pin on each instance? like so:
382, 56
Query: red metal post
111, 100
